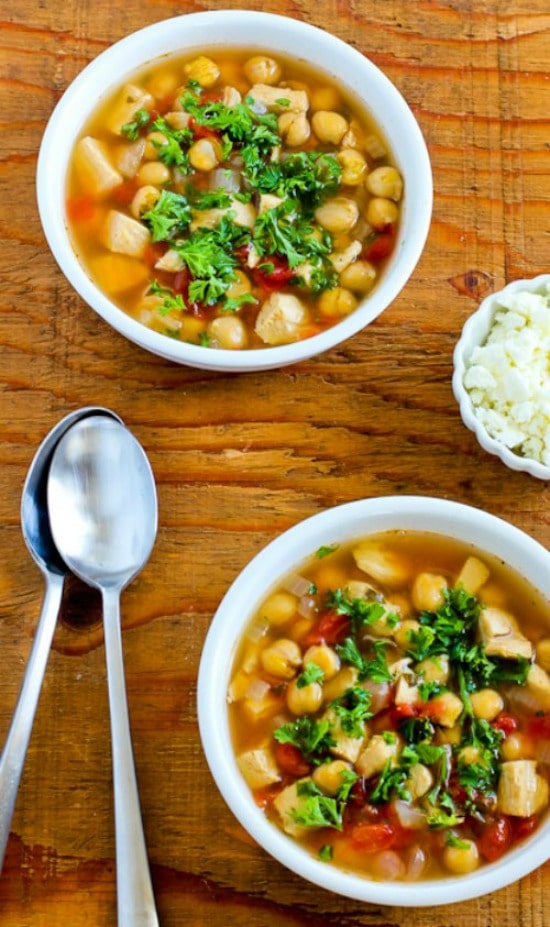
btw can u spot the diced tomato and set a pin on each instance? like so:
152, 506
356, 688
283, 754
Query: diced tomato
522, 827
290, 760
331, 629
381, 246
202, 131
371, 838
506, 723
80, 208
264, 797
496, 837
273, 279
539, 727
125, 192
402, 712
181, 281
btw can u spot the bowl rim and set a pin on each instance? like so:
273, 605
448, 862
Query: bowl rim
164, 38
345, 522
474, 332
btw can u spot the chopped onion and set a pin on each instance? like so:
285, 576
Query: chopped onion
307, 606
524, 697
298, 585
416, 863
381, 695
257, 629
224, 178
257, 689
388, 866
408, 815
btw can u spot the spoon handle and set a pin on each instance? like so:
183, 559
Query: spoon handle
135, 899
17, 741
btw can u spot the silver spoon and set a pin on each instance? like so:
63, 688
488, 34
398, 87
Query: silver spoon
102, 505
38, 538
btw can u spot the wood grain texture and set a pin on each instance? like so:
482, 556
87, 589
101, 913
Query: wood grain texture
239, 459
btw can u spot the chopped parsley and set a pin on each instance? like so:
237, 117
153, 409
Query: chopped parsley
169, 217
319, 810
312, 738
375, 668
133, 128
353, 709
312, 673
325, 550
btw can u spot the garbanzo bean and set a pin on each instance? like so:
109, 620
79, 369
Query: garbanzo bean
203, 155
518, 746
543, 653
241, 285
153, 142
326, 98
486, 704
338, 214
461, 859
330, 776
282, 658
381, 212
294, 128
325, 657
203, 70
304, 700
229, 332
279, 607
144, 199
353, 166
359, 276
337, 302
427, 592
402, 635
385, 181
260, 69
153, 172
329, 126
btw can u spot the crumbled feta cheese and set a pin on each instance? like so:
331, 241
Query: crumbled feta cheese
508, 377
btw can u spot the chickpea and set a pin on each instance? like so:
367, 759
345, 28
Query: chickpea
358, 277
153, 172
325, 657
518, 746
329, 126
381, 212
153, 142
427, 592
192, 328
294, 128
144, 200
345, 679
177, 119
543, 653
449, 735
306, 700
229, 332
385, 181
434, 669
338, 214
487, 704
203, 155
262, 70
337, 302
282, 658
163, 84
231, 96
461, 859
329, 776
353, 166
402, 634
240, 286
279, 607
470, 755
326, 98
203, 70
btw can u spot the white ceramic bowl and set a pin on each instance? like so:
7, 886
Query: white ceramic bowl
338, 525
474, 333
242, 29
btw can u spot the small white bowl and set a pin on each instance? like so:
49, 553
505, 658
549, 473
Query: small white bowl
372, 90
339, 525
474, 333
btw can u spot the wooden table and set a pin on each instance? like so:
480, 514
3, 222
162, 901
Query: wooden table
238, 459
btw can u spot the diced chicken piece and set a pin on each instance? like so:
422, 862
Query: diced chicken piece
280, 319
501, 637
521, 791
128, 157
253, 258
346, 678
287, 802
231, 96
405, 694
264, 706
388, 623
242, 214
258, 768
402, 667
446, 709
94, 170
304, 271
170, 262
295, 101
125, 235
473, 575
118, 272
376, 754
239, 686
132, 98
346, 747
360, 590
419, 781
269, 201
382, 565
538, 681
177, 119
434, 669
342, 259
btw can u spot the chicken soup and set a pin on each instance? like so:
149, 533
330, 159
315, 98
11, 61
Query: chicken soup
390, 707
233, 200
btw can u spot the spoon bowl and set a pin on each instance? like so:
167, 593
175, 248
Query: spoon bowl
37, 534
102, 506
